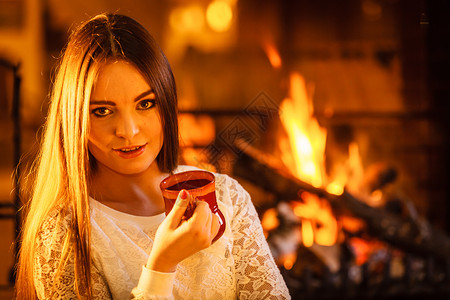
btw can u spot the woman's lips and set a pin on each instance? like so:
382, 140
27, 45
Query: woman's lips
130, 152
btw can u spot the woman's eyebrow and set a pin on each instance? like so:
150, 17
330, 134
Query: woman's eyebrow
142, 95
111, 103
102, 102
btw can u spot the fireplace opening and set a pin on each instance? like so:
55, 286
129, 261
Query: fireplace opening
341, 157
338, 229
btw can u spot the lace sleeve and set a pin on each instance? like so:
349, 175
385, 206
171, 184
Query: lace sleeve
258, 277
49, 245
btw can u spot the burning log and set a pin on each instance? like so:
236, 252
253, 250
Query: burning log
404, 233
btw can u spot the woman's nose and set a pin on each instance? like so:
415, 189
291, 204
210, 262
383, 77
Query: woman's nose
127, 127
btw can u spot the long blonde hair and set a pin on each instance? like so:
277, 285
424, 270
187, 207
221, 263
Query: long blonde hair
63, 166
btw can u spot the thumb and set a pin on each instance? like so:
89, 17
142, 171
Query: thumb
179, 208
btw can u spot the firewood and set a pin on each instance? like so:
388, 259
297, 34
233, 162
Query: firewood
266, 172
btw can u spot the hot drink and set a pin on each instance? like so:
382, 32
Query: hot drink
189, 184
201, 185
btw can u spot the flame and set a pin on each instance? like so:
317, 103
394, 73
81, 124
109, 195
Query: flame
307, 233
360, 249
273, 55
305, 137
338, 181
270, 220
349, 174
318, 222
303, 150
355, 165
352, 224
289, 260
364, 249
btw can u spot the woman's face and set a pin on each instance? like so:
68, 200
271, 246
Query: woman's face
125, 133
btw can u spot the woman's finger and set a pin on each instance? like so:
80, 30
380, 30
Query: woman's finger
201, 212
175, 215
207, 222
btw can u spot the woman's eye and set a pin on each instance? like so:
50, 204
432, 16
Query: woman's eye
146, 104
101, 111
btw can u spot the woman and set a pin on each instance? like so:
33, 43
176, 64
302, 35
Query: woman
96, 226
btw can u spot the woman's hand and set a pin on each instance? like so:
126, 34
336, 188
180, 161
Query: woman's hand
177, 239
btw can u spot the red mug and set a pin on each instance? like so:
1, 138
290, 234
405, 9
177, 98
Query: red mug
201, 185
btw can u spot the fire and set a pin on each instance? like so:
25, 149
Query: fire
306, 138
289, 260
364, 249
349, 174
273, 55
270, 220
303, 151
318, 222
355, 165
307, 233
304, 148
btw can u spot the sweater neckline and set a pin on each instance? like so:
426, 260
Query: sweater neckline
143, 220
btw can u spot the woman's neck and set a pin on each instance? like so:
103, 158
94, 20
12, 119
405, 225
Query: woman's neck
136, 194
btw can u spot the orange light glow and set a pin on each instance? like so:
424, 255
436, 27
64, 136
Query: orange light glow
196, 130
219, 16
352, 224
288, 260
361, 249
355, 165
273, 55
307, 233
336, 187
187, 19
270, 220
376, 198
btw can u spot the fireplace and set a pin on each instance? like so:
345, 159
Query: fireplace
356, 234
367, 218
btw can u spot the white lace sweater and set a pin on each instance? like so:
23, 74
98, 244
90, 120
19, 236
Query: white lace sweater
239, 265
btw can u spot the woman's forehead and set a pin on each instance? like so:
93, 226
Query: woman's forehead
119, 79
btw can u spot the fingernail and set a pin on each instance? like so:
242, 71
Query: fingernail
181, 199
